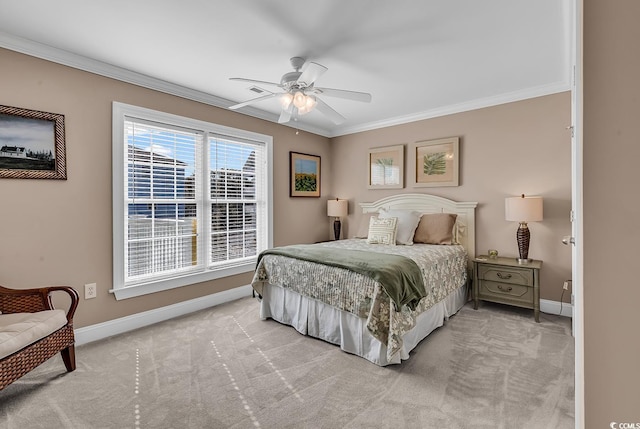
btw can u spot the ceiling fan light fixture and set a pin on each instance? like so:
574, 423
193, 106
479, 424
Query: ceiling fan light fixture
310, 103
286, 100
297, 94
303, 110
304, 103
299, 99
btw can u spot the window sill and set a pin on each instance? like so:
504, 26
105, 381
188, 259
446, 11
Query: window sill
126, 292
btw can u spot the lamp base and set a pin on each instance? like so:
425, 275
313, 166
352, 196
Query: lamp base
336, 228
524, 261
523, 236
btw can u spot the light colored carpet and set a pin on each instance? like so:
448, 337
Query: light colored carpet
225, 368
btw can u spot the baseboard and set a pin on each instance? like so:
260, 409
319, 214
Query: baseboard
103, 330
128, 323
557, 308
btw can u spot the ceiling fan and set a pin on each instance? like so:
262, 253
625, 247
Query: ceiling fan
299, 95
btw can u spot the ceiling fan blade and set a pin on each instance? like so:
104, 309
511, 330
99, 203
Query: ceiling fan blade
285, 115
254, 100
262, 82
365, 97
310, 72
328, 111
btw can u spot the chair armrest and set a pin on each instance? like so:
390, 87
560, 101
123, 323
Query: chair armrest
73, 295
33, 300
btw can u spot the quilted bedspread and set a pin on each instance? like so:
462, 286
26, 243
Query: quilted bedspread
399, 276
443, 269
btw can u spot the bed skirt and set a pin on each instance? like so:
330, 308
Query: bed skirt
317, 319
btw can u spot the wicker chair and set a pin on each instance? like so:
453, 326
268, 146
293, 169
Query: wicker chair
22, 361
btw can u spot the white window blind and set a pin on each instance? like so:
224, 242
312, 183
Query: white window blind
163, 164
236, 199
191, 200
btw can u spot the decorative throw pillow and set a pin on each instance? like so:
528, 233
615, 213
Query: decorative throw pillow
435, 228
382, 231
407, 224
363, 226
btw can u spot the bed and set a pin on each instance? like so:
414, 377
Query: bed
363, 312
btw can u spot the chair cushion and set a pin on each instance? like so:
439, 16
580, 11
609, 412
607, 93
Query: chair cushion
18, 330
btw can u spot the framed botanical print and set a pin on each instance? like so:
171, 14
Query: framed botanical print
386, 167
304, 175
435, 162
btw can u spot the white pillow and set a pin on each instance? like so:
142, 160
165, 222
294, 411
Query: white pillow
407, 223
382, 231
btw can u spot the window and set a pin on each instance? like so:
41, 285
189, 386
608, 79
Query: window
191, 200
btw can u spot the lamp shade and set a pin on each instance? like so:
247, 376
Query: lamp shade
337, 208
523, 209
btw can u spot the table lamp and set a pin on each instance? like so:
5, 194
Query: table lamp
523, 209
337, 208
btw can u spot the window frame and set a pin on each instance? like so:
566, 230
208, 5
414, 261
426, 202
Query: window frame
121, 112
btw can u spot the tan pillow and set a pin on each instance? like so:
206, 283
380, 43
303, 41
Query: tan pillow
382, 231
435, 228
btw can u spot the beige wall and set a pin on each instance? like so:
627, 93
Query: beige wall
506, 150
59, 232
611, 212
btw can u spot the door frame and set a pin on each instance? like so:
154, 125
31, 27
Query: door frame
577, 255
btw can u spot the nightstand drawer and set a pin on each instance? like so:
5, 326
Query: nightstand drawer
496, 291
509, 275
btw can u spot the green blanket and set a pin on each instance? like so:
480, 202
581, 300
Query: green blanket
399, 276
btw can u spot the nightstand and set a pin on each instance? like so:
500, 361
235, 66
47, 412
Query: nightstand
506, 281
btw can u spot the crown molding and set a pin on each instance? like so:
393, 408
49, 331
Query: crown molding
66, 58
458, 108
70, 59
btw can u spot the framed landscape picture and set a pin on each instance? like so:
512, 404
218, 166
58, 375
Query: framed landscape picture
386, 167
435, 162
304, 175
31, 144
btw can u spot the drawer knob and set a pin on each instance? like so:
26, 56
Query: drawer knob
505, 289
504, 276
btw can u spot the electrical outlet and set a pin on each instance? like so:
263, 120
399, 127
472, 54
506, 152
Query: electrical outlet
90, 291
565, 286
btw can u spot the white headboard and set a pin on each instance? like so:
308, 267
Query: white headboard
424, 203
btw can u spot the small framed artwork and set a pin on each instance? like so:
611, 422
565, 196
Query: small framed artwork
31, 144
304, 175
386, 167
435, 162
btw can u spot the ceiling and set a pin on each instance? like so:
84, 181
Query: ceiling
418, 58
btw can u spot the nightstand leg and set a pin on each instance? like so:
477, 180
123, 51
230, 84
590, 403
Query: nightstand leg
536, 296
